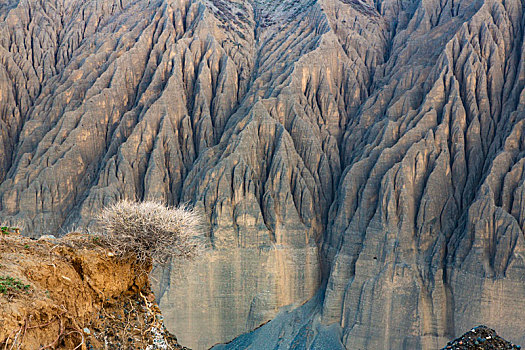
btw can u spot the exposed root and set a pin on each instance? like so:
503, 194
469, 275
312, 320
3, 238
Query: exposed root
107, 305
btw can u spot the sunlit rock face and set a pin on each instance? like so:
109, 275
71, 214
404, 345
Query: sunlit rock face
227, 293
374, 150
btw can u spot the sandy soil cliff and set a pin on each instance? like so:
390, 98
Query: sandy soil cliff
71, 293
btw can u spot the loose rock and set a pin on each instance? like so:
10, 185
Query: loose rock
480, 337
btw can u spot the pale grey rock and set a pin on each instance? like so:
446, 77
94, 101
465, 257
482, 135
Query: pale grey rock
293, 328
47, 237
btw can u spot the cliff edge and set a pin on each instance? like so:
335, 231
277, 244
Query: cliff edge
73, 293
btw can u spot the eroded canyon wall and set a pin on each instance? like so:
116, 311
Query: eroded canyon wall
374, 149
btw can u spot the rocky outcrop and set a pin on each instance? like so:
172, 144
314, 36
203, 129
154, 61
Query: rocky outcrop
373, 149
421, 205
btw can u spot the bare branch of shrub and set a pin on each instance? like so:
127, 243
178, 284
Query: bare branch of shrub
152, 231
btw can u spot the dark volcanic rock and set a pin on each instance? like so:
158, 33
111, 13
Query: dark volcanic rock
482, 338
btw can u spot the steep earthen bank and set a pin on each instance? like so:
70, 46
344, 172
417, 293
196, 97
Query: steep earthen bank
76, 295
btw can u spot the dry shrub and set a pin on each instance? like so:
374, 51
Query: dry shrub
152, 231
11, 226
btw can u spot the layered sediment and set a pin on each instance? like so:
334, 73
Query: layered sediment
372, 150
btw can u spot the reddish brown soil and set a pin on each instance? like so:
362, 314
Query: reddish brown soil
80, 297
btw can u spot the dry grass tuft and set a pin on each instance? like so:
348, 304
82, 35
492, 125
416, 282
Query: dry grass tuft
152, 231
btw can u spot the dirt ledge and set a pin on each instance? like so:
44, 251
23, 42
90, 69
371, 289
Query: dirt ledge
79, 297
